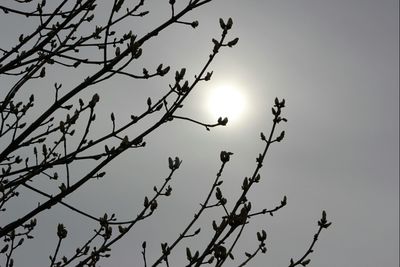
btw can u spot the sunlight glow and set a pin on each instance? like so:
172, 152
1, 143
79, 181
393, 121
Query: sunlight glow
226, 101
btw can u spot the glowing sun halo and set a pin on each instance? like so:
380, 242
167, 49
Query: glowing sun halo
226, 101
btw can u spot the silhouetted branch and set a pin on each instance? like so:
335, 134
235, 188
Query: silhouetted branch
323, 224
42, 144
207, 126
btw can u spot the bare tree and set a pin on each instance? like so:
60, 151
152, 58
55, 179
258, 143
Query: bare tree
48, 140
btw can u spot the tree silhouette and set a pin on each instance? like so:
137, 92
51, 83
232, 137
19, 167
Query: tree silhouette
47, 140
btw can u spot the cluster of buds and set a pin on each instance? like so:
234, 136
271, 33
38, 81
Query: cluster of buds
152, 204
165, 249
220, 252
179, 75
222, 121
192, 257
174, 164
226, 26
134, 47
277, 110
162, 71
323, 222
261, 237
225, 156
61, 231
236, 220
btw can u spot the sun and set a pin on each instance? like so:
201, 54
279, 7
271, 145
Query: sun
228, 101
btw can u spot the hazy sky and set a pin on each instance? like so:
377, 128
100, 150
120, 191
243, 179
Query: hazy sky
337, 65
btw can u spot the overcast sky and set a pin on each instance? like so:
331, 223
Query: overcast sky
337, 65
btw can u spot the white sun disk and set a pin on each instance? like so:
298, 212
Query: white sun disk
226, 101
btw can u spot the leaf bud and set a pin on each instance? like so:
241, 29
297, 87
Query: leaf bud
145, 73
94, 100
165, 71
229, 24
118, 5
188, 254
122, 229
259, 237
185, 87
223, 201
170, 163
153, 205
264, 234
134, 118
282, 103
177, 163
4, 249
194, 24
276, 102
222, 24
61, 231
233, 42
149, 102
182, 73
159, 69
125, 141
208, 76
62, 126
281, 136
245, 185
63, 188
159, 107
138, 53
284, 201
225, 156
218, 193
222, 122
42, 72
214, 225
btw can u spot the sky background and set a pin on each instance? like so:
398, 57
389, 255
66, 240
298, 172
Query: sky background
337, 65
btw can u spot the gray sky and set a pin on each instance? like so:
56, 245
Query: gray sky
336, 63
